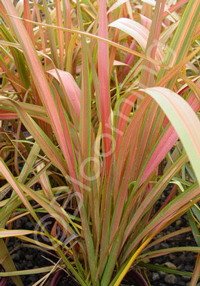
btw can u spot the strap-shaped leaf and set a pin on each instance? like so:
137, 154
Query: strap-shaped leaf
184, 120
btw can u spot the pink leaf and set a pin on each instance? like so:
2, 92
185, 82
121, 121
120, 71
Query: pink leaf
70, 86
104, 85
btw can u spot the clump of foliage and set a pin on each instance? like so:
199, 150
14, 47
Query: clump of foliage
99, 114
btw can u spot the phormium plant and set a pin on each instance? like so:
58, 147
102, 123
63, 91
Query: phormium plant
98, 116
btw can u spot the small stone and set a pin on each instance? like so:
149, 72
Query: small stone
21, 254
172, 256
180, 267
146, 260
171, 228
33, 278
29, 257
162, 274
156, 247
163, 196
18, 224
190, 257
171, 279
181, 283
30, 265
19, 266
178, 223
172, 244
164, 245
183, 258
29, 225
15, 256
170, 265
186, 278
155, 276
177, 261
189, 268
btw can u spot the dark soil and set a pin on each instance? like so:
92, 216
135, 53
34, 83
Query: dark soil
26, 257
184, 262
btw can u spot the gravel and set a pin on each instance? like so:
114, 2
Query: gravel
184, 262
26, 257
29, 258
